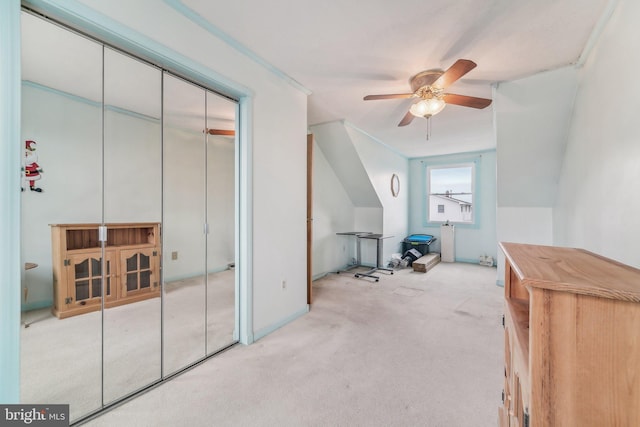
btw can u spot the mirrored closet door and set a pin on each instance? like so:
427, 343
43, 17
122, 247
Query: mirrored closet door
132, 215
129, 204
184, 253
221, 213
61, 335
199, 223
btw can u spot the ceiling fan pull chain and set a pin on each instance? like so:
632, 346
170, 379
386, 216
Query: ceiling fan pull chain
428, 127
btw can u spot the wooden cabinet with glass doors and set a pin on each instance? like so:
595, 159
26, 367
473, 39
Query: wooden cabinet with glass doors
131, 266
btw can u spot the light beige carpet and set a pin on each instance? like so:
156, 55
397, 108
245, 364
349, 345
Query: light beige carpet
62, 359
415, 349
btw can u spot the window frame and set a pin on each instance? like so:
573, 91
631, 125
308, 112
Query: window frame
428, 167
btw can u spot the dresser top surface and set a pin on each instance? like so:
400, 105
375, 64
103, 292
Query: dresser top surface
572, 270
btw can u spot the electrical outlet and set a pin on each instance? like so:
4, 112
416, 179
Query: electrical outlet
174, 255
284, 285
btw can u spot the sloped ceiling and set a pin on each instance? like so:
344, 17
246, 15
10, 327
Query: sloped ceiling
533, 115
336, 145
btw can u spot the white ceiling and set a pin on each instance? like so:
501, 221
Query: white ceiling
344, 50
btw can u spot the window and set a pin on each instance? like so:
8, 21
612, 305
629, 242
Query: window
450, 193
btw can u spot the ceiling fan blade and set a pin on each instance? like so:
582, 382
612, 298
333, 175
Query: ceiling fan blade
221, 132
406, 119
457, 70
466, 101
390, 96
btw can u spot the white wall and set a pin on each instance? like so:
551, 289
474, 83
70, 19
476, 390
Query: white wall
597, 206
357, 166
333, 212
532, 117
279, 205
339, 150
381, 163
523, 225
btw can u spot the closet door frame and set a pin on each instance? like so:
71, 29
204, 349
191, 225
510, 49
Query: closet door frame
109, 34
117, 35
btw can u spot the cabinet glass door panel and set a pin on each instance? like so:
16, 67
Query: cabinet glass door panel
132, 210
85, 281
62, 142
139, 275
221, 213
183, 241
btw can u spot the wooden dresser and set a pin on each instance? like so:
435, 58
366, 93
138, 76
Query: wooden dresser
572, 339
131, 268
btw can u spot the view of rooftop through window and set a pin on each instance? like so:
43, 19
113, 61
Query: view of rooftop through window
450, 191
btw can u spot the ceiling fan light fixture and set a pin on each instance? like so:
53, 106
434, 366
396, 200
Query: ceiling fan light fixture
427, 107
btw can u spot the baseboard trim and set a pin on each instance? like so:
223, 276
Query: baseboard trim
319, 276
266, 331
36, 305
213, 270
470, 261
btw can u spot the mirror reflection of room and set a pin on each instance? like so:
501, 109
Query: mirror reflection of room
184, 263
62, 112
222, 323
128, 221
132, 212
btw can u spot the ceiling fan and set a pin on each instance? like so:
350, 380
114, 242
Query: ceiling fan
428, 90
